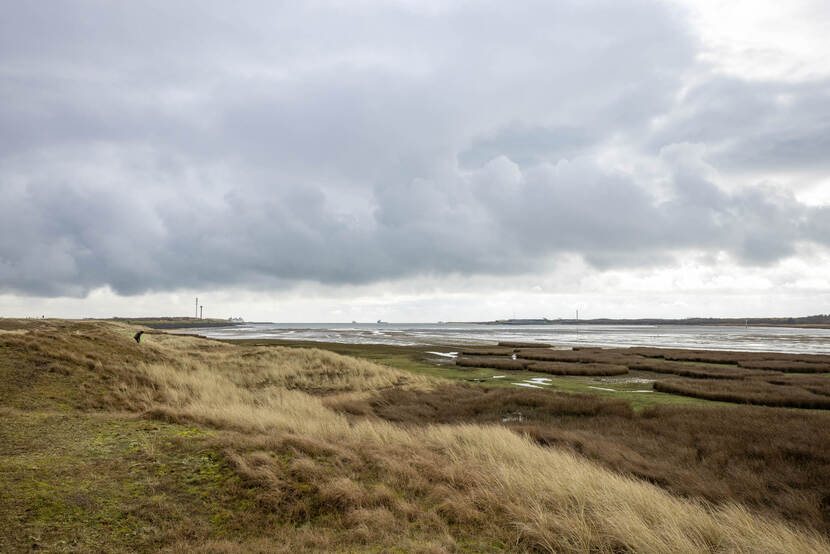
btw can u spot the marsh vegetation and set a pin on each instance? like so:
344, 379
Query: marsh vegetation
192, 444
768, 459
763, 378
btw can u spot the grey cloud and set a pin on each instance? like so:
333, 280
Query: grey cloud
160, 146
497, 220
757, 127
528, 145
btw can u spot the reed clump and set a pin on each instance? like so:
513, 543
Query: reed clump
777, 361
553, 368
482, 351
747, 391
606, 356
463, 403
572, 368
818, 384
788, 366
495, 362
690, 370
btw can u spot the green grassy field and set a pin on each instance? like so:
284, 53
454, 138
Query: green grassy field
73, 482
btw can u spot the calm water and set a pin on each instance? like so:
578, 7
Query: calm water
773, 339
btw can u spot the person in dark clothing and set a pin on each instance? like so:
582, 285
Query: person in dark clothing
137, 336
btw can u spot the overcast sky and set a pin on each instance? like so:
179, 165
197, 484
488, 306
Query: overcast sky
415, 160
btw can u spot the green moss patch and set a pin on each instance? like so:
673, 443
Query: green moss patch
97, 483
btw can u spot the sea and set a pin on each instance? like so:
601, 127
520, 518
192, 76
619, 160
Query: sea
710, 337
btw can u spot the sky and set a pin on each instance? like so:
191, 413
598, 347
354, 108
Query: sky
415, 161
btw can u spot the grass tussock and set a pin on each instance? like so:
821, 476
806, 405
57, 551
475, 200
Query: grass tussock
788, 366
495, 362
748, 391
571, 368
761, 360
775, 461
462, 403
7, 324
818, 384
334, 481
691, 370
487, 351
602, 356
553, 368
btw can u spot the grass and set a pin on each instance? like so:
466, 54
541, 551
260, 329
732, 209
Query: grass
483, 351
694, 370
105, 482
729, 357
553, 368
645, 365
564, 368
175, 322
493, 362
818, 384
293, 473
417, 360
791, 394
602, 356
792, 366
768, 459
441, 479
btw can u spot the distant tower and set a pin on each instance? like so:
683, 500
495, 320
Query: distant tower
197, 306
577, 315
201, 308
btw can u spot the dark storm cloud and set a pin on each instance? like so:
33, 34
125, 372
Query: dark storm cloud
162, 145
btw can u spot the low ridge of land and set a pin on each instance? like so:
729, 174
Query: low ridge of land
820, 321
176, 322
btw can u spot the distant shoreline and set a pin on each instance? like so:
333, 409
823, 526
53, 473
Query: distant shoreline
808, 322
176, 322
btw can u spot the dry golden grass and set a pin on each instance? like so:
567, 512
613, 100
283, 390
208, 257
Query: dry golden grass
371, 484
473, 476
773, 460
